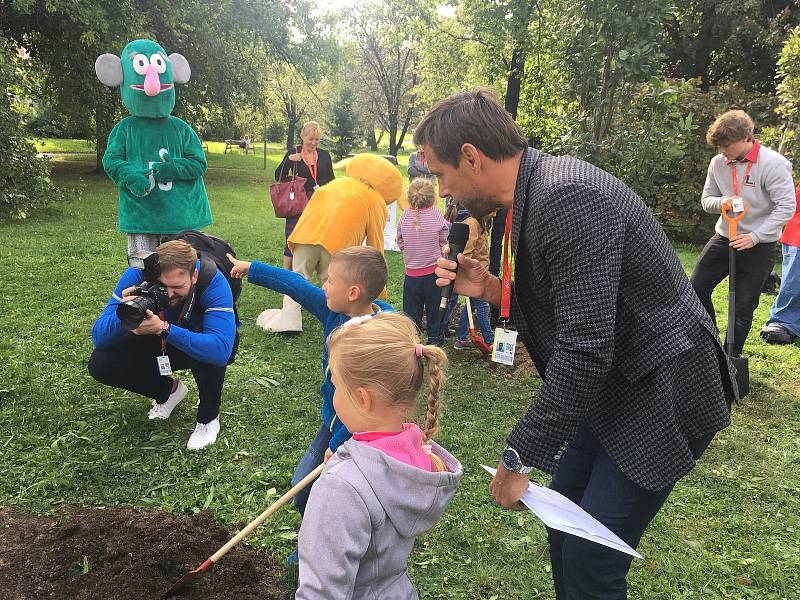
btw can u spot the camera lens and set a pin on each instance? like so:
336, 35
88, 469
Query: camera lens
133, 312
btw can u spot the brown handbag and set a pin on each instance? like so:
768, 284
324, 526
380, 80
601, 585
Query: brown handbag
289, 198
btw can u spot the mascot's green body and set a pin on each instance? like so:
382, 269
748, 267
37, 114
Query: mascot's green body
156, 159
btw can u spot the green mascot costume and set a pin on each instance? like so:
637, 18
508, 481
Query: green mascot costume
156, 159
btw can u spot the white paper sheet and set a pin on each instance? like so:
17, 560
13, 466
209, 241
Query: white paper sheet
561, 513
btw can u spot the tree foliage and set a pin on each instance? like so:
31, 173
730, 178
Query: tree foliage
24, 179
344, 124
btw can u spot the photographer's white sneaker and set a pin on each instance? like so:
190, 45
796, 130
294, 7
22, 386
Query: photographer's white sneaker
163, 411
204, 435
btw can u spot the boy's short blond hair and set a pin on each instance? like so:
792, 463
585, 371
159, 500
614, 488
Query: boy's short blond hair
729, 128
177, 254
363, 266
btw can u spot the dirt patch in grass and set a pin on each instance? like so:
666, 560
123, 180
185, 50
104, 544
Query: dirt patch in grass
124, 553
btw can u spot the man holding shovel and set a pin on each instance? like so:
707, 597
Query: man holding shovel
636, 383
754, 183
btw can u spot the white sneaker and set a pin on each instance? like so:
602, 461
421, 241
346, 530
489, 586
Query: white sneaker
163, 411
204, 435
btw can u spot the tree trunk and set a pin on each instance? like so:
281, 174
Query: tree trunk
372, 142
291, 117
103, 115
393, 136
514, 83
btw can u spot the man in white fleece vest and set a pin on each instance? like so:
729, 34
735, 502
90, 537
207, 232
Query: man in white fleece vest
763, 179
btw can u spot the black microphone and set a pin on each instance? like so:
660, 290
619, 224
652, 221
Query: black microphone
457, 240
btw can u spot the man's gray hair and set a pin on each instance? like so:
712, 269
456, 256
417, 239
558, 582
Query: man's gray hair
473, 117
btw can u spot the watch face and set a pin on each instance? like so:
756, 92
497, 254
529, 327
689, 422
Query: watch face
510, 459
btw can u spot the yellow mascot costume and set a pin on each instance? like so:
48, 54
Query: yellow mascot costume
340, 214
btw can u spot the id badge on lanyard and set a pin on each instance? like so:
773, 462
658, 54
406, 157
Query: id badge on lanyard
737, 202
505, 339
164, 366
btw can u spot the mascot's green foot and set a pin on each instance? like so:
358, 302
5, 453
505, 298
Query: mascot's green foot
289, 319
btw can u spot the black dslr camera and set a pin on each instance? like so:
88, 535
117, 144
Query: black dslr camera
151, 295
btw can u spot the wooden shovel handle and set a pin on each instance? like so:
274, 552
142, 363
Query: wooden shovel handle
267, 513
469, 314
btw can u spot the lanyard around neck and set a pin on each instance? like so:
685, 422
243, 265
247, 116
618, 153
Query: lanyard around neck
735, 180
312, 163
505, 297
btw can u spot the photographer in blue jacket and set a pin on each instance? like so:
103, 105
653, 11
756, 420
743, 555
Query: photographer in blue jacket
169, 311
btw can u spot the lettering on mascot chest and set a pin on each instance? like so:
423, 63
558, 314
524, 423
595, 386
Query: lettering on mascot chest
164, 187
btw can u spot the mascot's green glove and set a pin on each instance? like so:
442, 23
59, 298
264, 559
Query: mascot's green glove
137, 182
165, 171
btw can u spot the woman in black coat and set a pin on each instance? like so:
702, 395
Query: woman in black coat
309, 161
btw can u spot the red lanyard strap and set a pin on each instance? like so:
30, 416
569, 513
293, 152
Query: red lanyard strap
505, 297
733, 176
312, 164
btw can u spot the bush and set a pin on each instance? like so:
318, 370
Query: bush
24, 179
657, 147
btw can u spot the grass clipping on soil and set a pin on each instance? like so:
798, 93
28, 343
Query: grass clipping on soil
92, 553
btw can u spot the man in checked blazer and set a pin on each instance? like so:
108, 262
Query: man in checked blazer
635, 381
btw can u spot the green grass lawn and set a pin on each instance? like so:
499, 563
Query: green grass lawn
730, 529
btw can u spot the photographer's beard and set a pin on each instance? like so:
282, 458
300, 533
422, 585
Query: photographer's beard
180, 286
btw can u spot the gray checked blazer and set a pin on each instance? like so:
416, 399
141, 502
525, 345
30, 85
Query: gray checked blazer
609, 317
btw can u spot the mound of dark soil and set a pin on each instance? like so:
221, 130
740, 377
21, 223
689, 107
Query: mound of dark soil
122, 553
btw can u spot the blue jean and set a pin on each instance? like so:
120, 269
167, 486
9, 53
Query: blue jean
584, 570
786, 309
420, 294
448, 315
481, 317
312, 458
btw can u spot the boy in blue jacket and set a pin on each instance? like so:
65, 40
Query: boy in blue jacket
356, 276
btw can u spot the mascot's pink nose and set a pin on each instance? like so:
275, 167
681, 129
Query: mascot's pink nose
152, 84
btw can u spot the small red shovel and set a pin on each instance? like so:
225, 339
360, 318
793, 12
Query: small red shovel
476, 340
206, 566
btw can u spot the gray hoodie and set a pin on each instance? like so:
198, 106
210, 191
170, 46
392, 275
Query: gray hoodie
361, 520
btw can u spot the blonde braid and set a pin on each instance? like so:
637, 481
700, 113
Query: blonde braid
436, 359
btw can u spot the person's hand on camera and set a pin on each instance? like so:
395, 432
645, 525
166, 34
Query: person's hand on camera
471, 280
151, 325
127, 294
165, 171
240, 267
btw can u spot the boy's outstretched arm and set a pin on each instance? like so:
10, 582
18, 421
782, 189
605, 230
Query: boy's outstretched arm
283, 281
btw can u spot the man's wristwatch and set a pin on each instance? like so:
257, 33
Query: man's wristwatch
164, 330
512, 462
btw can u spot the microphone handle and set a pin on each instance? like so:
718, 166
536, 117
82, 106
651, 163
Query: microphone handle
447, 291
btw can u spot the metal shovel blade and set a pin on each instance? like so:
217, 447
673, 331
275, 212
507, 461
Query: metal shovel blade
186, 579
742, 365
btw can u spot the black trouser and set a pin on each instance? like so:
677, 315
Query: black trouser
582, 569
753, 266
131, 365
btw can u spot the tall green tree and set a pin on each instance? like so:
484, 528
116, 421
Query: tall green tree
386, 37
719, 40
230, 47
344, 125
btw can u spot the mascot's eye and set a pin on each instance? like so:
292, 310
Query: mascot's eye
140, 64
158, 62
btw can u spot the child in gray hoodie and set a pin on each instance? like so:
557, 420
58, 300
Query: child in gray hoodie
389, 483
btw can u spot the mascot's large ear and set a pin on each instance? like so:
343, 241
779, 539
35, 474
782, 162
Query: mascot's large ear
181, 72
109, 69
